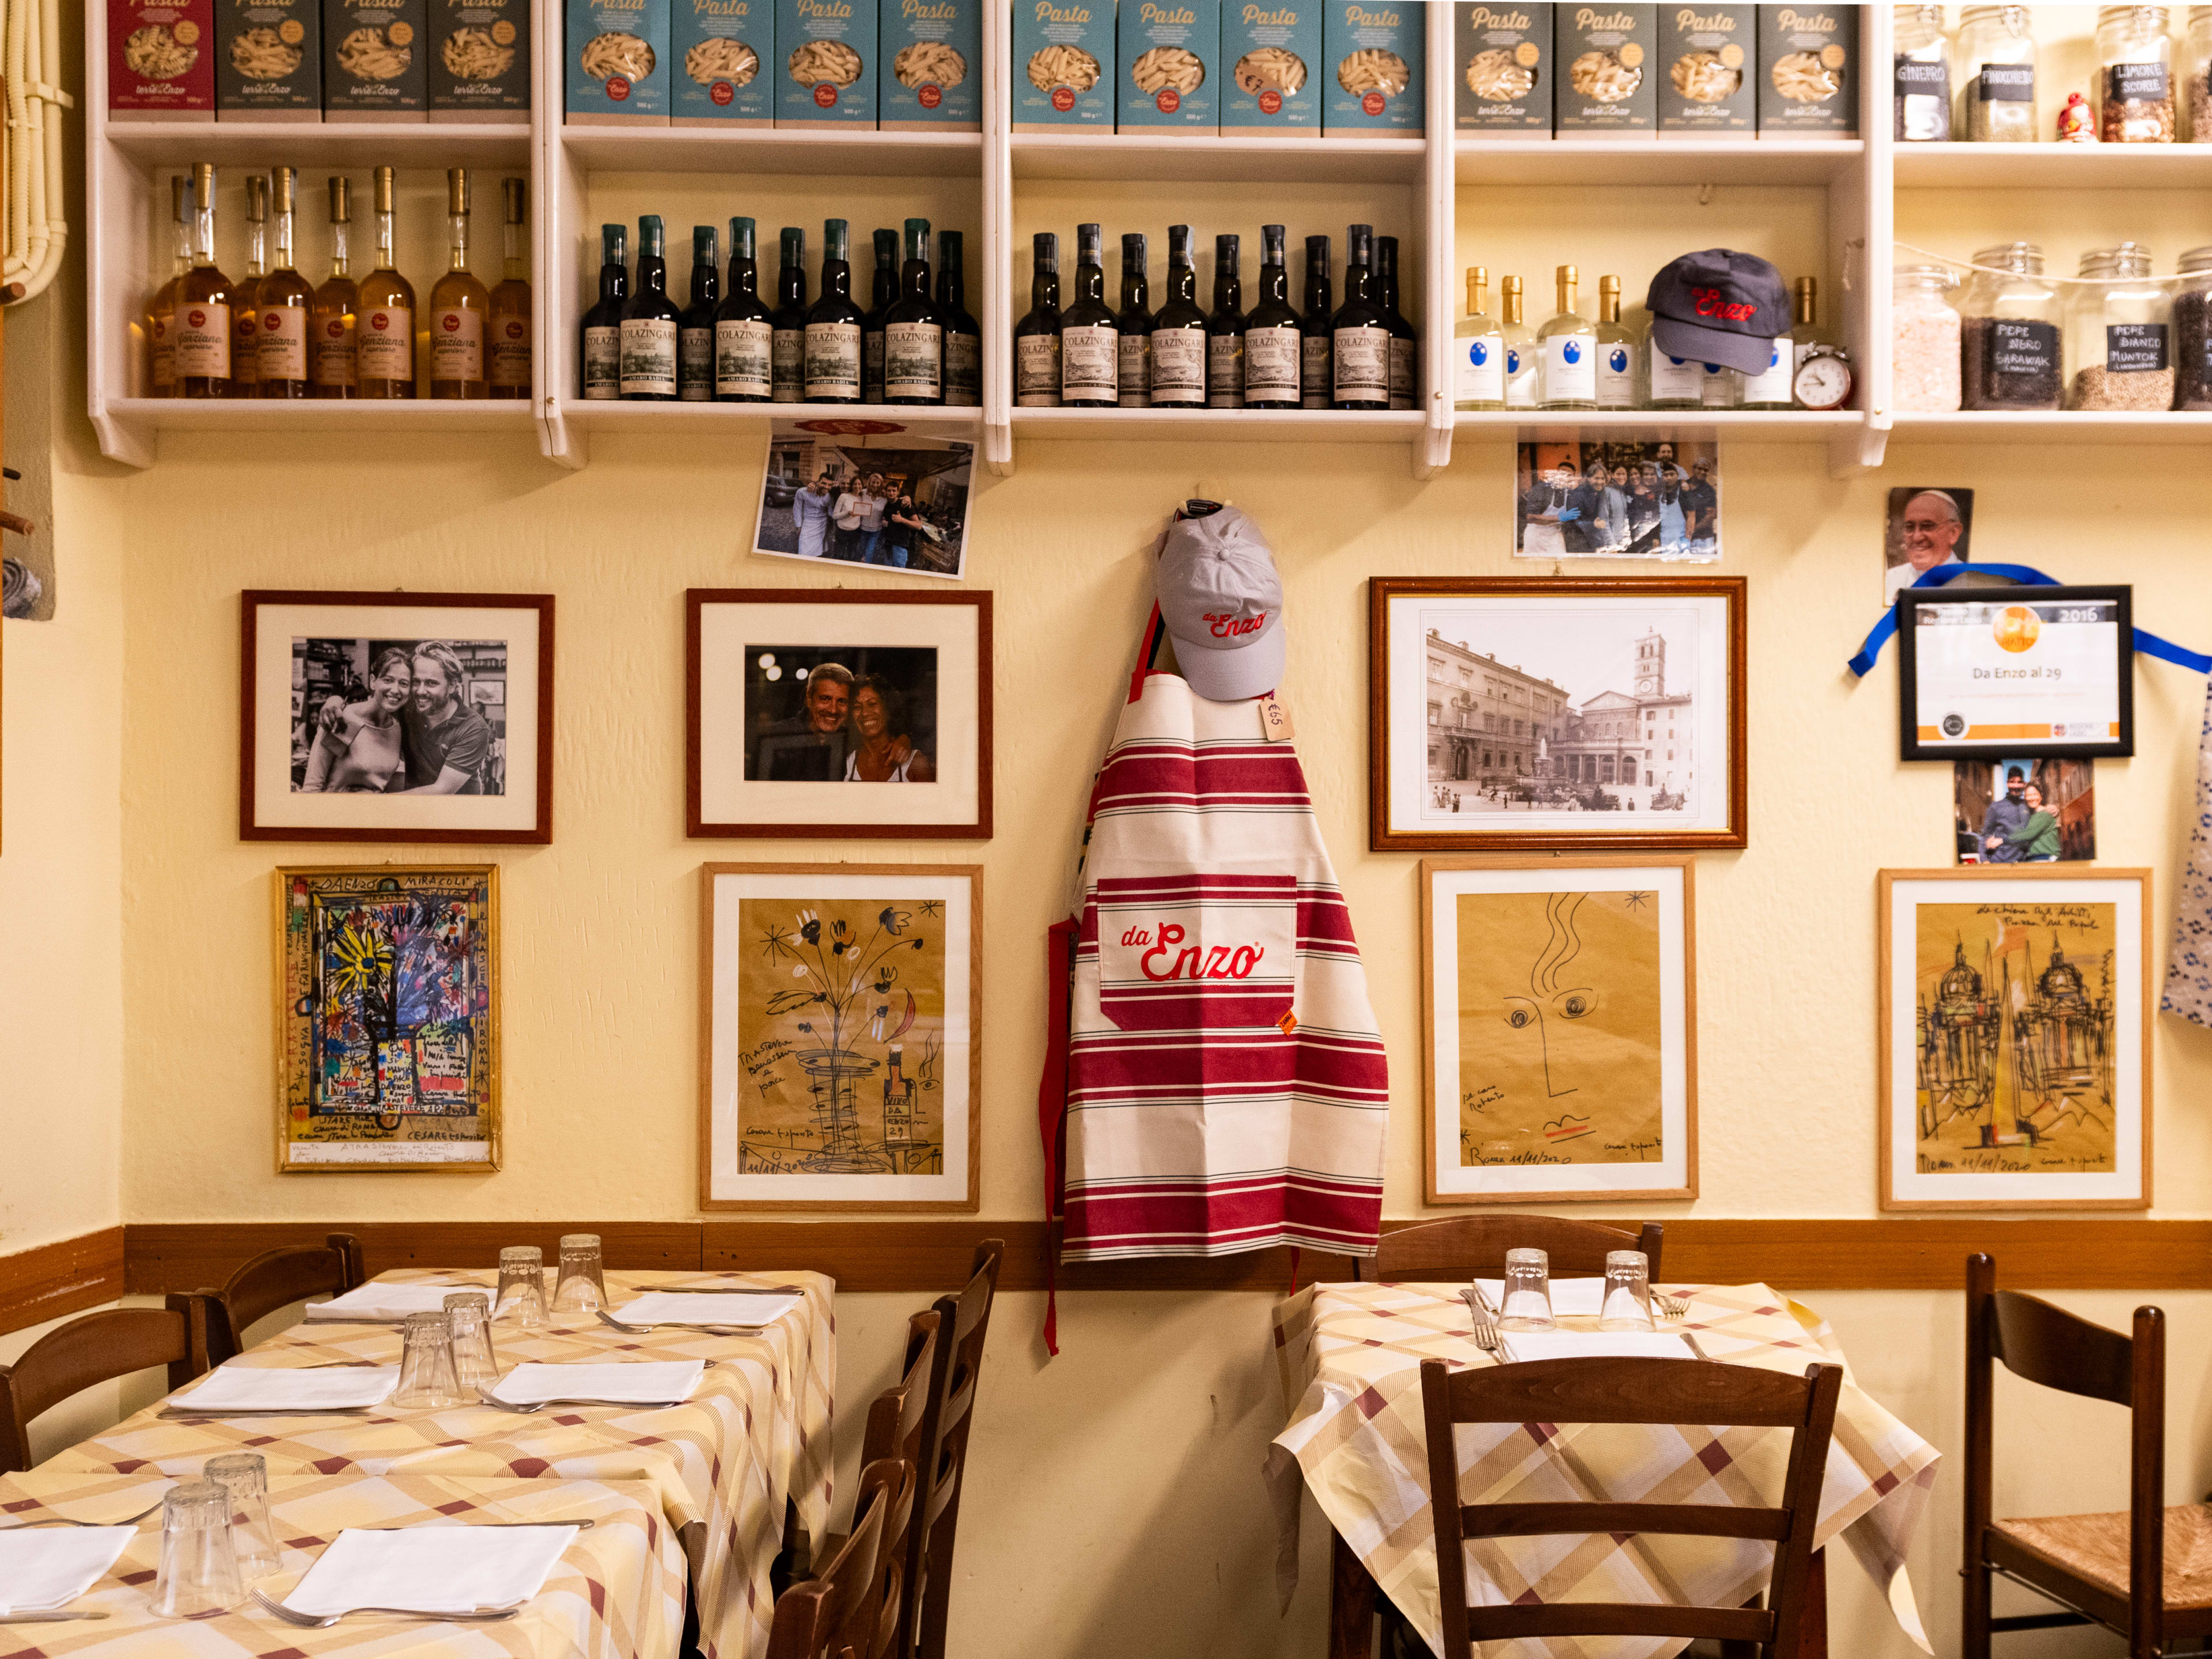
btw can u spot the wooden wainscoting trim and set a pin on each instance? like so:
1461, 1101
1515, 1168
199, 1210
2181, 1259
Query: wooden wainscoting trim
191, 1256
49, 1280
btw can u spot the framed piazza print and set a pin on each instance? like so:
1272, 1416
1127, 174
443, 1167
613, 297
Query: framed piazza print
1559, 1001
839, 1036
2014, 1038
1566, 714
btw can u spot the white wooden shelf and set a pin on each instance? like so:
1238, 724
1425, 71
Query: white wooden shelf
1172, 158
656, 416
305, 144
2054, 166
1222, 425
2071, 428
827, 152
316, 415
1543, 161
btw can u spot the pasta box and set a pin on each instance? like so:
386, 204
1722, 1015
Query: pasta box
618, 69
1063, 65
1371, 78
1604, 61
1167, 56
1808, 71
160, 60
1271, 55
828, 71
480, 61
933, 58
268, 60
376, 57
1709, 54
722, 63
1502, 63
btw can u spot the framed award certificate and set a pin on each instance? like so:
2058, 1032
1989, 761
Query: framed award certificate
2037, 671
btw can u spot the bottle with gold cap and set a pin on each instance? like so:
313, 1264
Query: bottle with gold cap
1566, 352
1520, 347
281, 303
204, 303
162, 310
1479, 350
384, 332
245, 372
1616, 351
332, 316
510, 346
459, 307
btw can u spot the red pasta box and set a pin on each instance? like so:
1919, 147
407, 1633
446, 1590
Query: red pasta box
160, 60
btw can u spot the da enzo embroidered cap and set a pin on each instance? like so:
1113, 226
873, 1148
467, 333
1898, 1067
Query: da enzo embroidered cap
1223, 604
1719, 306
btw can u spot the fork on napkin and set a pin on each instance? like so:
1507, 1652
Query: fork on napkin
430, 1570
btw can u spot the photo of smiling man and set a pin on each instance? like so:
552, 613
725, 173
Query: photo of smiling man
400, 717
1926, 527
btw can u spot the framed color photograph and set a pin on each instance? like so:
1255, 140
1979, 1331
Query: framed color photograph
825, 712
1557, 713
873, 490
2014, 1039
1653, 497
387, 1017
839, 1036
396, 717
1559, 1003
2037, 672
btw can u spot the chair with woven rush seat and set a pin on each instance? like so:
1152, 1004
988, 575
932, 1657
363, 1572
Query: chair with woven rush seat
2145, 1574
963, 1321
1467, 1247
841, 1615
99, 1347
1629, 1390
277, 1279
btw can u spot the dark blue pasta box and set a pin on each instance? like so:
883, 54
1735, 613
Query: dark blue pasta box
1170, 69
932, 56
1371, 77
721, 62
829, 70
1271, 53
1063, 71
618, 62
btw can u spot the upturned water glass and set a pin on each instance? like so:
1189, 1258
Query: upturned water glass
245, 1476
1627, 1304
1528, 1305
199, 1561
581, 1288
475, 1364
427, 1380
521, 1285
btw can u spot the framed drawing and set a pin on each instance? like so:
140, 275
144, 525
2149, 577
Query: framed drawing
387, 1017
2016, 1038
838, 1037
1570, 714
2044, 671
396, 717
803, 705
1559, 997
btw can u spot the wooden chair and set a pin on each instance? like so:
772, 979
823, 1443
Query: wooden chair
847, 1612
1467, 1246
2110, 1570
276, 1279
1620, 1390
99, 1347
963, 1320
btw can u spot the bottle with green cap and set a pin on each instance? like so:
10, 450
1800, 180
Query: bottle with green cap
913, 330
833, 325
881, 296
743, 348
787, 325
602, 334
963, 335
650, 322
695, 330
1036, 337
1090, 341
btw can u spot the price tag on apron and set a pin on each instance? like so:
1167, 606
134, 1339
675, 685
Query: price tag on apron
1275, 719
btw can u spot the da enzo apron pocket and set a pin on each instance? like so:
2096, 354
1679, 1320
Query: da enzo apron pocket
1197, 952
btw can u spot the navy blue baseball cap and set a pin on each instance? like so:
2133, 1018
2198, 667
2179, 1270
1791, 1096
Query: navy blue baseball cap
1719, 306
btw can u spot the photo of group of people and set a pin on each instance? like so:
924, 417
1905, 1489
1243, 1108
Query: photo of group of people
419, 717
1622, 499
865, 492
861, 714
2024, 811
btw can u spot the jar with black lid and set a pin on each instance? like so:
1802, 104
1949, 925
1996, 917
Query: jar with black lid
2008, 335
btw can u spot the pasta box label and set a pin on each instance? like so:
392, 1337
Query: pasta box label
1063, 64
1502, 81
1372, 77
722, 63
1808, 71
268, 60
1271, 55
376, 58
618, 69
1606, 61
931, 52
1708, 55
160, 60
829, 68
1167, 67
480, 60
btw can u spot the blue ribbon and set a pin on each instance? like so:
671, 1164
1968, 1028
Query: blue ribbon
2148, 643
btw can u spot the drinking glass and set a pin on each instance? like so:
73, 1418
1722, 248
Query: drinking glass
199, 1563
245, 1476
427, 1382
1527, 1293
474, 1365
580, 1289
522, 1286
1627, 1304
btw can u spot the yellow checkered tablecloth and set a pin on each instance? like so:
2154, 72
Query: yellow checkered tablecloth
722, 1464
616, 1593
1350, 1358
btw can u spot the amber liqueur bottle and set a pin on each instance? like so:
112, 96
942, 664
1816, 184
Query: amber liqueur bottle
281, 302
160, 320
510, 348
459, 307
244, 298
336, 311
203, 302
384, 332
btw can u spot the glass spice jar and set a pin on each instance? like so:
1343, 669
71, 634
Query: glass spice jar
2192, 332
2134, 76
2009, 321
1996, 55
1923, 76
2115, 334
1923, 340
2197, 73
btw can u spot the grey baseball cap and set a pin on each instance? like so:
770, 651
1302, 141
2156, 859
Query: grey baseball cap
1223, 604
1719, 306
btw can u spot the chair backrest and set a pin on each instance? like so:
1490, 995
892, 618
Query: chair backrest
276, 1279
1464, 1247
834, 1614
963, 1321
98, 1348
1622, 1390
897, 1421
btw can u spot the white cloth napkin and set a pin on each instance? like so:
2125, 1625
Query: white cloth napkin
1571, 1297
708, 1308
41, 1568
642, 1382
1524, 1346
430, 1569
378, 1303
269, 1388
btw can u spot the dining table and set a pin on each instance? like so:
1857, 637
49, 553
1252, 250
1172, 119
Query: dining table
753, 1440
1349, 1358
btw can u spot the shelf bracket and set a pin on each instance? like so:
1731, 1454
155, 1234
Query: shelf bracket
559, 442
1857, 449
128, 441
1432, 449
998, 449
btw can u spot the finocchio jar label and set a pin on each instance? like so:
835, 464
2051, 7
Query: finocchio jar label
2006, 82
2134, 348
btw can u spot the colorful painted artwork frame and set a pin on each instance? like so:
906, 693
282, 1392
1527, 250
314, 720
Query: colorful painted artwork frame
1604, 981
840, 1027
2014, 1075
412, 950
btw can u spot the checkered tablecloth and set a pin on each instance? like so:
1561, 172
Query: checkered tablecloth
723, 1464
616, 1593
1350, 1358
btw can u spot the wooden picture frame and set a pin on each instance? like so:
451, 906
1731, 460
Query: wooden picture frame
329, 644
756, 765
771, 1118
1594, 956
1453, 768
2012, 1070
1929, 735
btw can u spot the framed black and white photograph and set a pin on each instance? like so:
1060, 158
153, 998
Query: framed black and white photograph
1625, 498
396, 717
2041, 672
1587, 714
844, 713
873, 490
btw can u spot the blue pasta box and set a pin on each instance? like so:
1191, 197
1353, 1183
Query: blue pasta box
932, 56
829, 70
721, 62
1063, 65
1271, 53
1371, 58
617, 70
1169, 57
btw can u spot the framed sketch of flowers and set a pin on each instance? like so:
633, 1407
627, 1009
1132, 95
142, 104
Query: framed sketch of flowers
838, 1037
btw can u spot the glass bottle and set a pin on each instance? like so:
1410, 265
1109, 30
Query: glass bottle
1566, 352
1770, 389
245, 297
2134, 76
2008, 332
1271, 332
2192, 332
281, 302
1089, 344
787, 325
1520, 347
1616, 350
963, 338
833, 325
883, 289
1924, 340
913, 332
647, 368
384, 338
162, 309
1478, 351
1179, 331
2117, 338
1317, 385
1359, 333
1036, 337
602, 325
2197, 73
336, 310
1923, 68
1805, 330
1996, 56
203, 297
1132, 327
1224, 328
743, 346
459, 306
1405, 343
1718, 386
511, 344
1669, 382
695, 329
